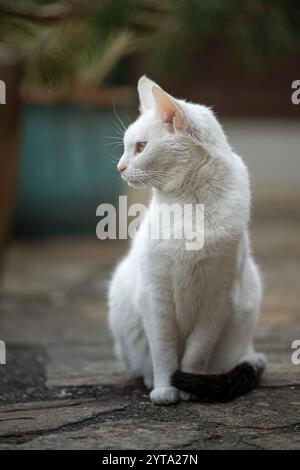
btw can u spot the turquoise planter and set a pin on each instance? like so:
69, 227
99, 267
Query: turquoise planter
67, 169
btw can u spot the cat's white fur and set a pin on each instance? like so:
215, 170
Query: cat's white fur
170, 308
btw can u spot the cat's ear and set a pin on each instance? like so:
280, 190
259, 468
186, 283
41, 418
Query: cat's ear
152, 97
145, 86
167, 108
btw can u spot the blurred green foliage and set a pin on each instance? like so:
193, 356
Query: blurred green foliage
73, 42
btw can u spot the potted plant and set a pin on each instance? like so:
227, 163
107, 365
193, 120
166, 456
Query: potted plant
75, 98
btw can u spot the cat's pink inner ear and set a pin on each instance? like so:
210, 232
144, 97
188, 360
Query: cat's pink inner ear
167, 108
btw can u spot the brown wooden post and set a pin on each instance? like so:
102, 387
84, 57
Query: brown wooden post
10, 75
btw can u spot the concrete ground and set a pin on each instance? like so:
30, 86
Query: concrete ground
62, 388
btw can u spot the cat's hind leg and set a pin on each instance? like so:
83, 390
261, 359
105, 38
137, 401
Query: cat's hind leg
131, 344
200, 345
132, 350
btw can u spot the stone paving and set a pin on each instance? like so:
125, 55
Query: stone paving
63, 389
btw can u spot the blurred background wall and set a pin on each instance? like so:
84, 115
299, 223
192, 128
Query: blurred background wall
77, 64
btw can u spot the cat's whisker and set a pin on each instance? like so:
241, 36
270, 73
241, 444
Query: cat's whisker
115, 138
119, 130
118, 117
115, 145
150, 179
111, 136
114, 159
165, 181
129, 120
154, 180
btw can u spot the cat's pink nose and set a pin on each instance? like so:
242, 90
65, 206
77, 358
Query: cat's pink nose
121, 167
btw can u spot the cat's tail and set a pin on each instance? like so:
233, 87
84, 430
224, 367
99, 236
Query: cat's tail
222, 387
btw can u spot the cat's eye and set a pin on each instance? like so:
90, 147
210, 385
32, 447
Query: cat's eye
140, 146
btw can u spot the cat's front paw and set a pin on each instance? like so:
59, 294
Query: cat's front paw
164, 395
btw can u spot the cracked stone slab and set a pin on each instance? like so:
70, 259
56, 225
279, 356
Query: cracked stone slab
269, 441
33, 418
259, 420
125, 435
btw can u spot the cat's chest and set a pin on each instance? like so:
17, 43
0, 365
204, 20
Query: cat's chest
189, 286
195, 285
187, 275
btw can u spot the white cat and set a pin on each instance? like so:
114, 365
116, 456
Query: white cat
184, 320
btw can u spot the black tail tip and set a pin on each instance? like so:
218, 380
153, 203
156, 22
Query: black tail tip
212, 388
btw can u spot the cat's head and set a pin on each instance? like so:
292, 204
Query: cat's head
171, 141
